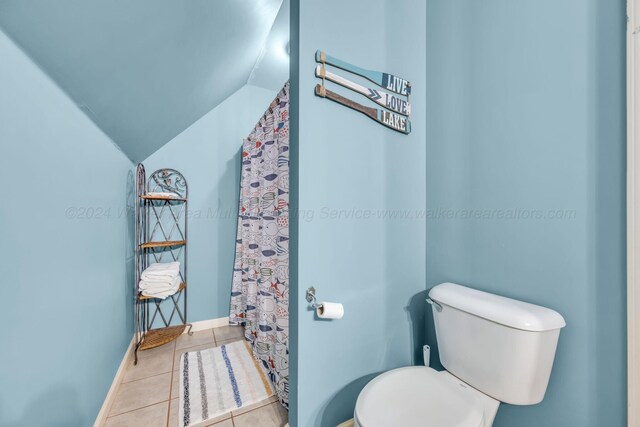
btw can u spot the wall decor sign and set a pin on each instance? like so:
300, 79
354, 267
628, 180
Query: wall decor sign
392, 120
396, 111
382, 98
387, 81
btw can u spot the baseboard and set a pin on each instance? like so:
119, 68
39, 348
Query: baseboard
104, 411
208, 324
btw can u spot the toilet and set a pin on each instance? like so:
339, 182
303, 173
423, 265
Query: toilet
494, 350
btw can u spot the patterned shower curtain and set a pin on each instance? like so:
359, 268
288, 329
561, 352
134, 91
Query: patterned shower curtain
260, 290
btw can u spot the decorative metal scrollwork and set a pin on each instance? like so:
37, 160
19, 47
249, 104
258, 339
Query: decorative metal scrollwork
168, 181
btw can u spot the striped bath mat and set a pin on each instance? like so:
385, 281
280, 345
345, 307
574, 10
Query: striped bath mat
218, 380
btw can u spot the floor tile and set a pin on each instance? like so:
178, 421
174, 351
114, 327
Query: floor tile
225, 423
150, 391
141, 393
151, 416
228, 332
254, 406
229, 341
173, 417
176, 362
150, 362
273, 415
198, 338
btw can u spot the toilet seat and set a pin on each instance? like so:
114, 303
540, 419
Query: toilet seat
421, 396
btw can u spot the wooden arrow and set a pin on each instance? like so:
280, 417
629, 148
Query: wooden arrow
391, 120
387, 81
384, 99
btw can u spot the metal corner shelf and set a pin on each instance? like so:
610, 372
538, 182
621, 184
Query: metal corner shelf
161, 236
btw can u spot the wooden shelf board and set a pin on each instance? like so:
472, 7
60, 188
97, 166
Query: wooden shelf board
148, 197
180, 289
157, 337
148, 245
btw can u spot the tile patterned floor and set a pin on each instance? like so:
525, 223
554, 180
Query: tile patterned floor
148, 395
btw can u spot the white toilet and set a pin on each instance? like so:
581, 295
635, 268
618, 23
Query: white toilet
494, 349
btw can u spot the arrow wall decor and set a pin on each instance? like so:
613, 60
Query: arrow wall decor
387, 81
387, 118
384, 99
396, 119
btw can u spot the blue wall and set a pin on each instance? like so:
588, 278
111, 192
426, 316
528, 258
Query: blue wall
525, 128
67, 253
525, 117
346, 164
208, 155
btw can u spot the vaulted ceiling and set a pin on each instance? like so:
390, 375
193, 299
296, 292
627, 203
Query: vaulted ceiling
272, 69
145, 70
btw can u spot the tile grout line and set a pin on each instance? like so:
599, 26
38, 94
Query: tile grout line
231, 416
253, 409
146, 378
191, 346
110, 415
142, 407
168, 401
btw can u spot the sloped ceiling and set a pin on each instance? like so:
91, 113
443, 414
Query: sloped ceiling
143, 70
272, 69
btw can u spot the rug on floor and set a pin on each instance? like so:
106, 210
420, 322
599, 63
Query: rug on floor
218, 380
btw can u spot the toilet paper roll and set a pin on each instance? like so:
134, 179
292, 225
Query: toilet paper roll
330, 310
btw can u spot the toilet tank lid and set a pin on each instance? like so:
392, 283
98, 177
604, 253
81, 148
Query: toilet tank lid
505, 311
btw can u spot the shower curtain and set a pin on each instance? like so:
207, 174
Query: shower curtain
260, 289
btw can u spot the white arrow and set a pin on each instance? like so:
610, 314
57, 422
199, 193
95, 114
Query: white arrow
384, 99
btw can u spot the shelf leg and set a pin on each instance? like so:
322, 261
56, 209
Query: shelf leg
135, 353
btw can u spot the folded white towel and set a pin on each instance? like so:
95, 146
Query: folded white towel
159, 278
161, 295
144, 287
164, 266
165, 271
160, 285
162, 194
159, 289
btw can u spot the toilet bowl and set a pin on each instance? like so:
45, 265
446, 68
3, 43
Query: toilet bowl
422, 396
494, 349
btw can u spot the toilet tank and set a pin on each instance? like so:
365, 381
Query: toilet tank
500, 346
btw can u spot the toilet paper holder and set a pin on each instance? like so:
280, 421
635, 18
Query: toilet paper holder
324, 310
311, 298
